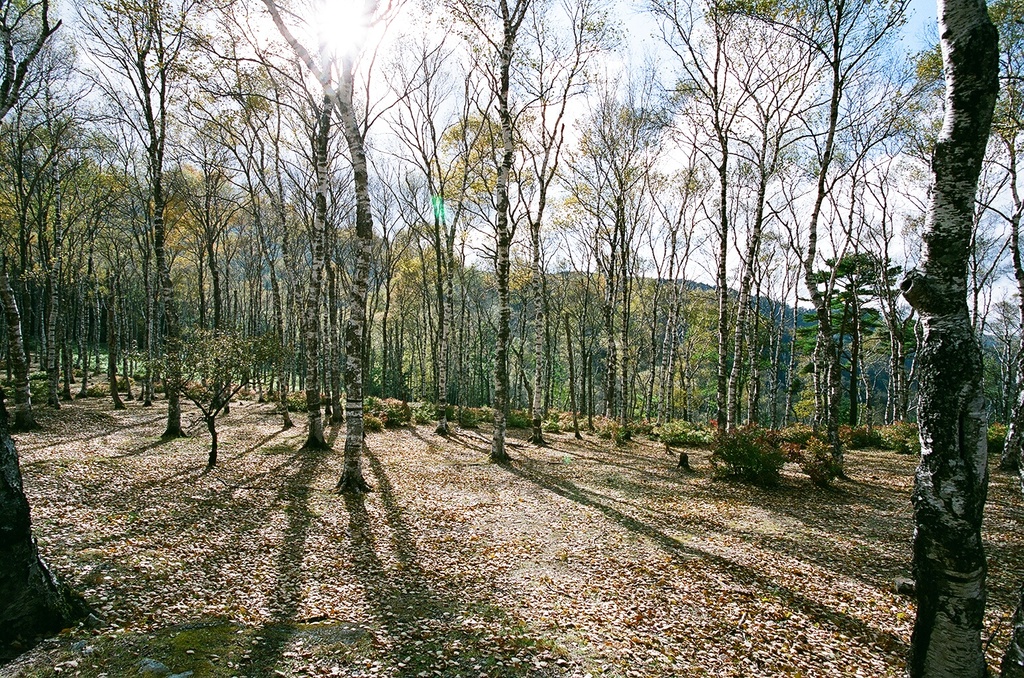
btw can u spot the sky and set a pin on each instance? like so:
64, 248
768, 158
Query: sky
921, 27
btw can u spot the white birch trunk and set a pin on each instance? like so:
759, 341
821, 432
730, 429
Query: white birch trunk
952, 478
23, 419
311, 314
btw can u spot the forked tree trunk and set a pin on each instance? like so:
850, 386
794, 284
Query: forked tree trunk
722, 281
32, 601
23, 419
444, 310
743, 307
278, 306
952, 478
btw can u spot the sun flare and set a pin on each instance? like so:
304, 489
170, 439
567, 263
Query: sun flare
342, 25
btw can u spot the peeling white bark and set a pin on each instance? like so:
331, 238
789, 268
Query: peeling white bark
952, 479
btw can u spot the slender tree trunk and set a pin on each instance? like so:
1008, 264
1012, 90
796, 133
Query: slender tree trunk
52, 362
722, 282
853, 390
66, 367
278, 304
311, 313
352, 480
952, 480
511, 21
537, 435
572, 381
335, 367
1010, 459
442, 265
211, 426
83, 338
611, 363
112, 347
172, 332
23, 419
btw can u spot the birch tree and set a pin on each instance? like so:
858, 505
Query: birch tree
141, 47
561, 46
952, 479
499, 29
34, 601
337, 74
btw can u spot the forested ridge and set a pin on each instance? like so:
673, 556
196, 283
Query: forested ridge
759, 237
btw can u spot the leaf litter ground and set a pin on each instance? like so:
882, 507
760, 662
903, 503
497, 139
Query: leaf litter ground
579, 558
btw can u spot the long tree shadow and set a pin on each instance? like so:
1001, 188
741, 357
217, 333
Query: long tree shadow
846, 623
103, 432
431, 625
288, 591
869, 557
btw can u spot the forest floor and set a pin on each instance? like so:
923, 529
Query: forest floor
578, 559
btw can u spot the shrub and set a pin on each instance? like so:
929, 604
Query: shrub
469, 417
424, 413
996, 438
684, 434
394, 412
519, 419
901, 437
643, 427
610, 429
552, 424
859, 437
371, 423
797, 434
817, 462
95, 389
391, 412
792, 452
750, 454
296, 401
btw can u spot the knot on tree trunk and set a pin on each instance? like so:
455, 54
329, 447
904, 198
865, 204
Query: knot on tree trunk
919, 291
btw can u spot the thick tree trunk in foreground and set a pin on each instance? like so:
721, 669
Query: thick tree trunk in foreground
32, 601
952, 478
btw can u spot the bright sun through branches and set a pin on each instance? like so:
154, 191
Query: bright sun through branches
342, 25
